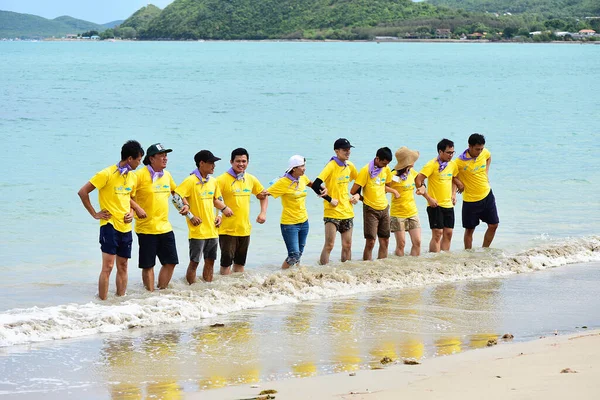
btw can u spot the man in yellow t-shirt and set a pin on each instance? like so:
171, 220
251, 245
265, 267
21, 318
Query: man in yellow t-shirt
201, 193
441, 195
374, 180
479, 202
237, 186
152, 226
338, 213
116, 184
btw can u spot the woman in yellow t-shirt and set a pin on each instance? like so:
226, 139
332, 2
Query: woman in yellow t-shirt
403, 211
291, 187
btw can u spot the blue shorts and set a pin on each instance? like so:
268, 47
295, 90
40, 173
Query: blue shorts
161, 245
114, 242
484, 210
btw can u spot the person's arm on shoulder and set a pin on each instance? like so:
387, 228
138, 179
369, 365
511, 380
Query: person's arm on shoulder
84, 195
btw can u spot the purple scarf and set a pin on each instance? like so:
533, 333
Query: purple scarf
373, 170
295, 181
123, 170
338, 161
239, 177
464, 156
155, 175
403, 176
443, 164
199, 176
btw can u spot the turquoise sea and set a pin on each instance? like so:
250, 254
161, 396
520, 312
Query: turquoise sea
66, 108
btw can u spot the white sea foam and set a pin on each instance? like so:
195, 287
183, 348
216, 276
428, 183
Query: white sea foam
183, 303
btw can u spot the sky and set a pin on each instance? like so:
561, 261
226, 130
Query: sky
98, 11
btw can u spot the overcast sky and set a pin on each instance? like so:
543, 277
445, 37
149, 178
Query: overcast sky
98, 11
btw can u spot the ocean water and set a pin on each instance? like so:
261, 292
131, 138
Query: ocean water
66, 109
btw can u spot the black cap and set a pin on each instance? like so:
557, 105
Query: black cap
156, 148
342, 143
206, 156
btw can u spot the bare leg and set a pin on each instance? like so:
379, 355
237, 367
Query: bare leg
330, 232
489, 235
436, 238
190, 274
165, 274
415, 238
207, 272
384, 243
148, 278
468, 238
225, 270
238, 268
121, 276
108, 260
347, 245
285, 265
446, 239
368, 251
400, 243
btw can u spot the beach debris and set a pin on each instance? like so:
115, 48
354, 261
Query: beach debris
376, 367
492, 342
352, 374
508, 336
555, 333
498, 376
268, 391
584, 327
410, 361
568, 371
217, 325
254, 386
386, 360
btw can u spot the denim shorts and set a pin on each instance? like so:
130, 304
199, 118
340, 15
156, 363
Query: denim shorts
294, 236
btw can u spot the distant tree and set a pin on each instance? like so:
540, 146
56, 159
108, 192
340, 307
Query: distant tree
127, 33
509, 32
107, 34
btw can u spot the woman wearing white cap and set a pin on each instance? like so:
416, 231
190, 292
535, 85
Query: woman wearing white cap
404, 213
291, 187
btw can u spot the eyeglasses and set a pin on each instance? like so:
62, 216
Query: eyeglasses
450, 153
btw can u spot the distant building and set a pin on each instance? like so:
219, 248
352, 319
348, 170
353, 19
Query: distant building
587, 32
71, 36
475, 36
95, 37
443, 33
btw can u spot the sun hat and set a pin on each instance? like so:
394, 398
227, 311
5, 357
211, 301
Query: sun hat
405, 157
295, 161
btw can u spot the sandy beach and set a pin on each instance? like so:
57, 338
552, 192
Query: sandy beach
554, 367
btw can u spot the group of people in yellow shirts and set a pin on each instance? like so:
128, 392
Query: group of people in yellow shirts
144, 195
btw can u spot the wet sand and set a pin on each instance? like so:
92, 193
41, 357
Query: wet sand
526, 370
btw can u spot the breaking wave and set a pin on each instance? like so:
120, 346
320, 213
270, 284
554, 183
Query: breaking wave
182, 303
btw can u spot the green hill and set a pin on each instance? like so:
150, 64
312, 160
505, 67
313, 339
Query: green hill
112, 24
141, 18
27, 26
549, 8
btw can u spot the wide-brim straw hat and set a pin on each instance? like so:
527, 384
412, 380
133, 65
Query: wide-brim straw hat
405, 157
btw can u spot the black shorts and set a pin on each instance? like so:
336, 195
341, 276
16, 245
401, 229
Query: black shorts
161, 245
440, 217
234, 249
484, 210
114, 242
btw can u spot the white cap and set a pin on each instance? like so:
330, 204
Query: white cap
295, 161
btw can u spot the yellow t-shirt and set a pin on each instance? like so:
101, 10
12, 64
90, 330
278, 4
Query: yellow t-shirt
439, 185
114, 192
336, 181
293, 199
153, 197
201, 196
374, 188
405, 206
236, 195
473, 173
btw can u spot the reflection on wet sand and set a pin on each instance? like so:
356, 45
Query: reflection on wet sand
302, 355
483, 300
445, 298
160, 353
119, 358
342, 323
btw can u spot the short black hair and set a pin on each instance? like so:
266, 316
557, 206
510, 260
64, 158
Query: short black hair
476, 139
444, 144
131, 148
384, 153
240, 151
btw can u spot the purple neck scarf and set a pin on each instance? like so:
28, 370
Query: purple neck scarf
338, 161
404, 176
295, 181
123, 170
443, 164
373, 170
155, 175
239, 177
464, 156
199, 176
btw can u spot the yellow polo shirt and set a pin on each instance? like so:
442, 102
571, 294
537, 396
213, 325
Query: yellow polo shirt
336, 180
201, 196
374, 188
153, 197
473, 173
439, 184
405, 206
114, 192
236, 195
293, 199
